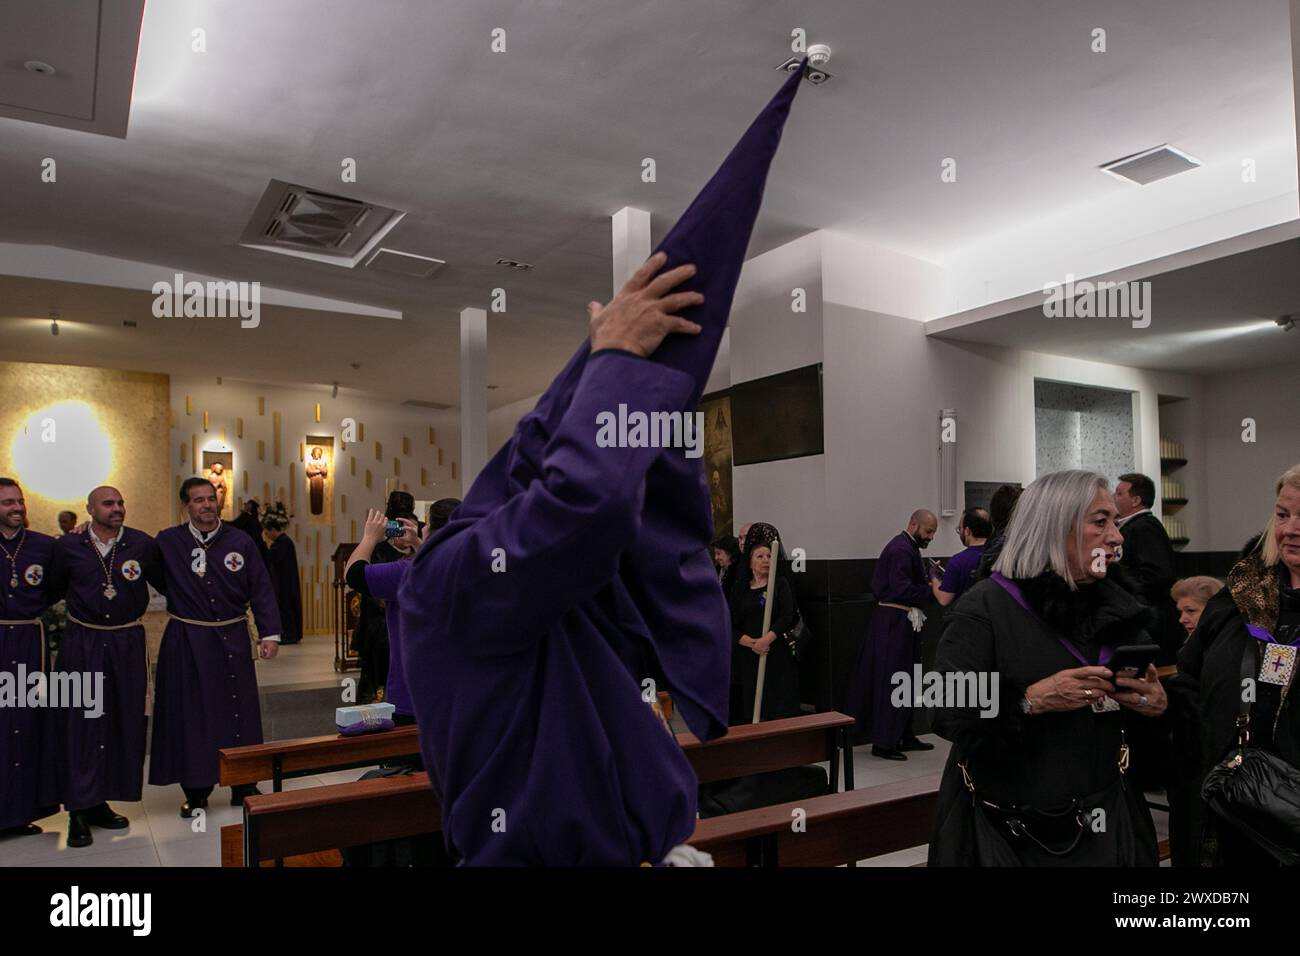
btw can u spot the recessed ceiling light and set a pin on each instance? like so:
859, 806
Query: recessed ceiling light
37, 66
514, 264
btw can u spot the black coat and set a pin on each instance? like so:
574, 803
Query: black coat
282, 565
1210, 663
1148, 563
1044, 761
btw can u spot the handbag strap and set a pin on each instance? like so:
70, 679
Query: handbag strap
1243, 707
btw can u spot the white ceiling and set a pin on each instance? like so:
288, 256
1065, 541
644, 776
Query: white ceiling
525, 154
1211, 317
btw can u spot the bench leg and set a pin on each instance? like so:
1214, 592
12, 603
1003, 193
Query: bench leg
846, 737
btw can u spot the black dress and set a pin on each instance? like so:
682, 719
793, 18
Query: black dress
282, 565
781, 681
1052, 766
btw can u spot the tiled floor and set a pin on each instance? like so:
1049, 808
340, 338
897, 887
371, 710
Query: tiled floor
159, 837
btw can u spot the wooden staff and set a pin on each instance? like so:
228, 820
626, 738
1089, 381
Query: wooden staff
775, 547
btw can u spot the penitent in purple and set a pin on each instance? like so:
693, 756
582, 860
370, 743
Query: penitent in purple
572, 573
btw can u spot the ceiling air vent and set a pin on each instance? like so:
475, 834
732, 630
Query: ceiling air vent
417, 403
310, 224
1150, 165
404, 263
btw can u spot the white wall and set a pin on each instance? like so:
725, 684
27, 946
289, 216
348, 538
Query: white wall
1240, 476
885, 384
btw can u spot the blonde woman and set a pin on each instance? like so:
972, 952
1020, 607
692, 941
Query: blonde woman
1190, 597
1256, 616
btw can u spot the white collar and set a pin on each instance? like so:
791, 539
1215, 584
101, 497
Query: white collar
200, 536
105, 548
10, 537
1123, 521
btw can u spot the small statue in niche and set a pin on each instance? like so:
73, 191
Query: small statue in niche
317, 469
216, 475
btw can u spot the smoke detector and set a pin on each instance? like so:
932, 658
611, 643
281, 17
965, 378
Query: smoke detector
818, 55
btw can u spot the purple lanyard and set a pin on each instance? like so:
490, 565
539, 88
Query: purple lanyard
1014, 590
1263, 634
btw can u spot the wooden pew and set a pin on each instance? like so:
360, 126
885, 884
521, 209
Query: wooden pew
838, 828
746, 749
296, 822
281, 760
290, 823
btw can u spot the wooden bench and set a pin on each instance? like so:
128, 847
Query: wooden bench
317, 819
281, 760
284, 824
838, 828
746, 749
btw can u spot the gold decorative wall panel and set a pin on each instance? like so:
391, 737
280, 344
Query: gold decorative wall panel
129, 409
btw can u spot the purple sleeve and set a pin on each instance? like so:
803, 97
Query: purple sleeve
903, 584
383, 580
559, 540
952, 576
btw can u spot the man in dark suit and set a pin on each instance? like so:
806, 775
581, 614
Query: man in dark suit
1148, 560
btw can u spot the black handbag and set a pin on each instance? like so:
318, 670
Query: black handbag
1256, 791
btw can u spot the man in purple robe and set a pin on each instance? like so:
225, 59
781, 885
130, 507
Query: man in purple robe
104, 574
24, 564
206, 694
578, 567
901, 585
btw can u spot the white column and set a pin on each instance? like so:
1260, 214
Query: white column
631, 244
473, 395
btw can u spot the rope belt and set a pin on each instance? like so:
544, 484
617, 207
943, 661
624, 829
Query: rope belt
106, 627
186, 620
914, 615
39, 623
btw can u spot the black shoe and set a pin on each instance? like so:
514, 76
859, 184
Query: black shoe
189, 807
887, 754
237, 793
25, 829
103, 817
914, 743
79, 829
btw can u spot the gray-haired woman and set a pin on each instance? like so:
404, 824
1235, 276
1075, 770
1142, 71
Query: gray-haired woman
1041, 779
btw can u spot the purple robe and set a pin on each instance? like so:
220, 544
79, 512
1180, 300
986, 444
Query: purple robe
95, 759
23, 729
206, 692
528, 678
891, 645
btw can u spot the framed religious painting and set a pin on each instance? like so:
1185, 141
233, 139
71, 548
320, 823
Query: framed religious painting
717, 460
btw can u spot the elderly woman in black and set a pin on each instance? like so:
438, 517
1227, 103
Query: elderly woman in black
1257, 617
750, 643
1038, 777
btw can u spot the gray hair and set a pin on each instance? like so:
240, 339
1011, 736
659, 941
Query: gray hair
1036, 538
